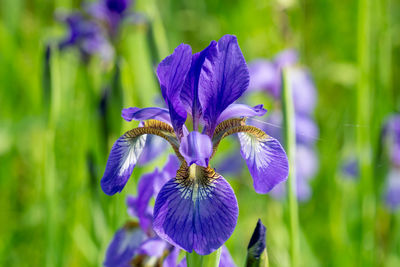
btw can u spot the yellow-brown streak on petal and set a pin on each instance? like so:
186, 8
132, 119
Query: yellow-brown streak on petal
202, 176
238, 129
160, 129
227, 124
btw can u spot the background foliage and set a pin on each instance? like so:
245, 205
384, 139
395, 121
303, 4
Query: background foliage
53, 148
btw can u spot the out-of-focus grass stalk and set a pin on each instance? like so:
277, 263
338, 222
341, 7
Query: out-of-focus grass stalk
196, 260
50, 168
364, 152
157, 37
290, 143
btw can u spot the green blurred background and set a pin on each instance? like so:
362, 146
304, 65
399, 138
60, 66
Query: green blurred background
53, 152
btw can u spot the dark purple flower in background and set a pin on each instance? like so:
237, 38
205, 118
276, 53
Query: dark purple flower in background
111, 13
85, 35
197, 210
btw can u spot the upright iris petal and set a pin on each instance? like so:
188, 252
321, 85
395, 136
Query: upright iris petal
197, 213
171, 74
190, 91
223, 79
196, 148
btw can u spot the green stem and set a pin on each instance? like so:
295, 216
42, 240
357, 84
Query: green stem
364, 150
196, 260
290, 142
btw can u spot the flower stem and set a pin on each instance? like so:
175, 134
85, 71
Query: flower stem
290, 143
196, 260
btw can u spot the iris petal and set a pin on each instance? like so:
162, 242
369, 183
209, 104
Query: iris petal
190, 91
121, 161
123, 247
194, 215
142, 114
223, 79
196, 148
149, 186
241, 110
171, 74
266, 160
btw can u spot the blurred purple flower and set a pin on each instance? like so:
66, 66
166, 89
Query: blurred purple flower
307, 166
85, 35
391, 142
350, 168
112, 13
197, 210
393, 189
391, 137
267, 75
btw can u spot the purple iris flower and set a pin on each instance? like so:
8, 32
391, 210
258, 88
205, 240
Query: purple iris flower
136, 244
267, 75
197, 209
86, 36
112, 13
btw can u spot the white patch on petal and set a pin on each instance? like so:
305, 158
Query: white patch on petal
133, 149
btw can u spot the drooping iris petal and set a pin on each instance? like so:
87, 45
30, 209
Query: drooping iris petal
172, 72
124, 246
223, 79
241, 110
266, 160
153, 247
196, 215
190, 90
196, 148
142, 114
265, 75
121, 161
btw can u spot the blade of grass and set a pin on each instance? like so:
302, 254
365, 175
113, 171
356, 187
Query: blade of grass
290, 143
